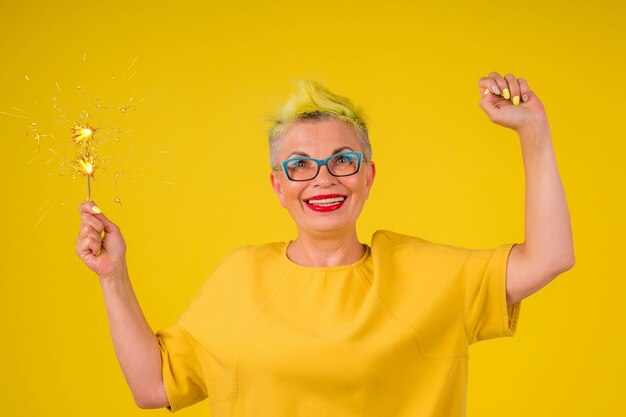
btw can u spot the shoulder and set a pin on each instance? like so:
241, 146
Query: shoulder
252, 254
399, 252
236, 272
388, 241
395, 248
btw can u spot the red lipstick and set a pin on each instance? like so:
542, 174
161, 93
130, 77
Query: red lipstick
326, 202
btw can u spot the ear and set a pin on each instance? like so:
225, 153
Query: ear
277, 187
370, 175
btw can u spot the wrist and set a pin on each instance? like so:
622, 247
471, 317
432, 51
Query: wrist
537, 128
117, 276
535, 135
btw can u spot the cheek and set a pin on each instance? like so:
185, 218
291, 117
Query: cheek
359, 186
292, 193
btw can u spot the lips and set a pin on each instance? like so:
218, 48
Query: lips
326, 202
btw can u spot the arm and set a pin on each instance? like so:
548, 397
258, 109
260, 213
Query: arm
548, 249
136, 346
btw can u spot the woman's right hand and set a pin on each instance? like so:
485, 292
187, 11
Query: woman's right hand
104, 253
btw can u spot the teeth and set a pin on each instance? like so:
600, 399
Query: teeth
327, 201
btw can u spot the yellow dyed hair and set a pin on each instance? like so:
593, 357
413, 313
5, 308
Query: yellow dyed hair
312, 101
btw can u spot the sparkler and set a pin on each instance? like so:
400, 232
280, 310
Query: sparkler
82, 133
78, 135
90, 134
85, 164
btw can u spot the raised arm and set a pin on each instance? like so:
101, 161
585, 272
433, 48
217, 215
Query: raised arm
136, 346
548, 248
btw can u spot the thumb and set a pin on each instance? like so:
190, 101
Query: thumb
109, 226
486, 104
90, 207
492, 105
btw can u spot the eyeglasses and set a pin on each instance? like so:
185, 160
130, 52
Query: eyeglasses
340, 164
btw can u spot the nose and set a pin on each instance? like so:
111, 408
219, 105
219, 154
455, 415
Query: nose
324, 177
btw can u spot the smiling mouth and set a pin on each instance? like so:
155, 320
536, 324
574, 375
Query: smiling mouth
325, 203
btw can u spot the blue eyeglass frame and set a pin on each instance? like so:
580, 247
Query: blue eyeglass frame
322, 162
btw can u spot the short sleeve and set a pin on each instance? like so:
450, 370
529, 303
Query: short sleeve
182, 374
487, 314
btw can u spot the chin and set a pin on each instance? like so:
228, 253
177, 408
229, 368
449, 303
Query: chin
330, 227
323, 223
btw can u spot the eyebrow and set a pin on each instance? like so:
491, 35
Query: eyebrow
306, 155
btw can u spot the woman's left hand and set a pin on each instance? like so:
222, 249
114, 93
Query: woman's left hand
509, 102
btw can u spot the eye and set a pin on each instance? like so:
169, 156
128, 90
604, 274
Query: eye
344, 159
298, 164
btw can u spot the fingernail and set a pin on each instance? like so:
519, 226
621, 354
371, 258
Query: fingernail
506, 94
96, 209
486, 92
495, 89
516, 100
524, 98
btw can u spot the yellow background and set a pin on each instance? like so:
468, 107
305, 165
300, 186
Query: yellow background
211, 71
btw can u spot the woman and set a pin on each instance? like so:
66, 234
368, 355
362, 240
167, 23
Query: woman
326, 325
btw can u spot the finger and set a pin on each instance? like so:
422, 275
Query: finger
82, 249
90, 207
513, 87
89, 243
524, 89
487, 85
95, 244
87, 231
487, 107
501, 83
109, 226
91, 220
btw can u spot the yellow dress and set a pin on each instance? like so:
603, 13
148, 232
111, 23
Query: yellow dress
385, 336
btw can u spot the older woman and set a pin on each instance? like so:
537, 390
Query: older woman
325, 325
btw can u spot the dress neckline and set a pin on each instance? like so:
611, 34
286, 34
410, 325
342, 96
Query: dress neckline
356, 264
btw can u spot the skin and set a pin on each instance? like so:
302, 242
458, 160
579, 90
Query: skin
548, 249
324, 239
329, 238
136, 346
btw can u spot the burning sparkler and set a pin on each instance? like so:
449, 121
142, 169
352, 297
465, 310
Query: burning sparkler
78, 135
85, 165
83, 136
82, 133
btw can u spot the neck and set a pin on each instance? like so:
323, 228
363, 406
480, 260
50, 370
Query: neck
317, 251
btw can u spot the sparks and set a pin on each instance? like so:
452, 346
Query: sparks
82, 133
90, 142
85, 165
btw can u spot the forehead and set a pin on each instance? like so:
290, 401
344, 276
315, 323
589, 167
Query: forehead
318, 138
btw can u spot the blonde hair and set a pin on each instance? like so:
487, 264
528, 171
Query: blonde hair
313, 101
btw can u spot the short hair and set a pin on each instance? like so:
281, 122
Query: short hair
312, 101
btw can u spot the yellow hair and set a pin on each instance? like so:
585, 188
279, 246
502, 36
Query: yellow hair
313, 101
